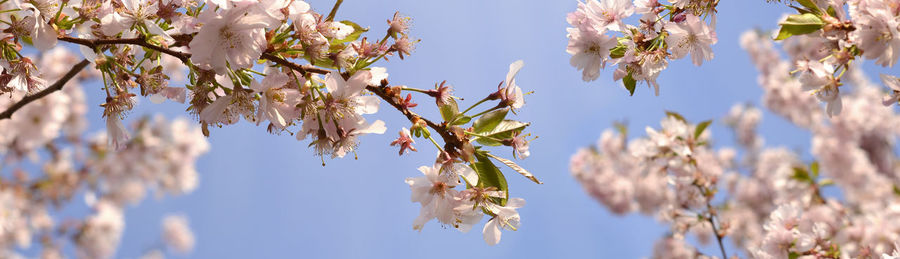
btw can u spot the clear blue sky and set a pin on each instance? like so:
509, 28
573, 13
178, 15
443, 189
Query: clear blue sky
266, 196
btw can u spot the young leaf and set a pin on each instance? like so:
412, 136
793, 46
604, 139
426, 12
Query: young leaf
799, 24
489, 121
449, 110
489, 175
512, 165
700, 128
801, 175
630, 83
814, 168
810, 5
676, 116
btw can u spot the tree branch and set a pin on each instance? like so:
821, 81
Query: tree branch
140, 41
58, 85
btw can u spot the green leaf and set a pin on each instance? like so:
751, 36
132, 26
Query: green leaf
512, 165
676, 116
831, 11
503, 130
621, 127
460, 120
619, 50
896, 190
489, 175
801, 175
357, 31
814, 168
799, 24
630, 83
793, 255
700, 128
449, 110
489, 121
809, 4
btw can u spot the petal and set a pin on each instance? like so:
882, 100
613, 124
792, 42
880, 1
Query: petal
492, 232
514, 70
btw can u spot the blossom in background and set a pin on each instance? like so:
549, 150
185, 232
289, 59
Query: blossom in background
177, 234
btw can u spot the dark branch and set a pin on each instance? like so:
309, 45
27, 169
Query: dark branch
140, 41
58, 85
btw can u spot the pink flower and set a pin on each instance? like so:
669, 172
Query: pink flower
589, 51
608, 15
232, 38
691, 36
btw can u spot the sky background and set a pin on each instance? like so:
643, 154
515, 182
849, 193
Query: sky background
268, 196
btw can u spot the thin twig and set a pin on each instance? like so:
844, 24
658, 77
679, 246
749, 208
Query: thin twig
58, 85
296, 67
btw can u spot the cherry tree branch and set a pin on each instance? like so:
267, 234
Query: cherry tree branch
58, 85
448, 137
140, 41
712, 220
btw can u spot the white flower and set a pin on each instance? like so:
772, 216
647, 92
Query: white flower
43, 34
118, 135
24, 75
232, 38
608, 15
506, 218
137, 12
342, 120
878, 31
435, 193
277, 100
511, 94
819, 77
589, 51
691, 36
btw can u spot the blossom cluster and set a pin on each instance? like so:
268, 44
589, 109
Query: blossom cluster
827, 36
275, 63
599, 35
767, 201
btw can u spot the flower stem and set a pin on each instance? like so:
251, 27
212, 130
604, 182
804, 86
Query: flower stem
337, 4
474, 105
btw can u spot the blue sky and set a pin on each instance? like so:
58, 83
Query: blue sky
267, 196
